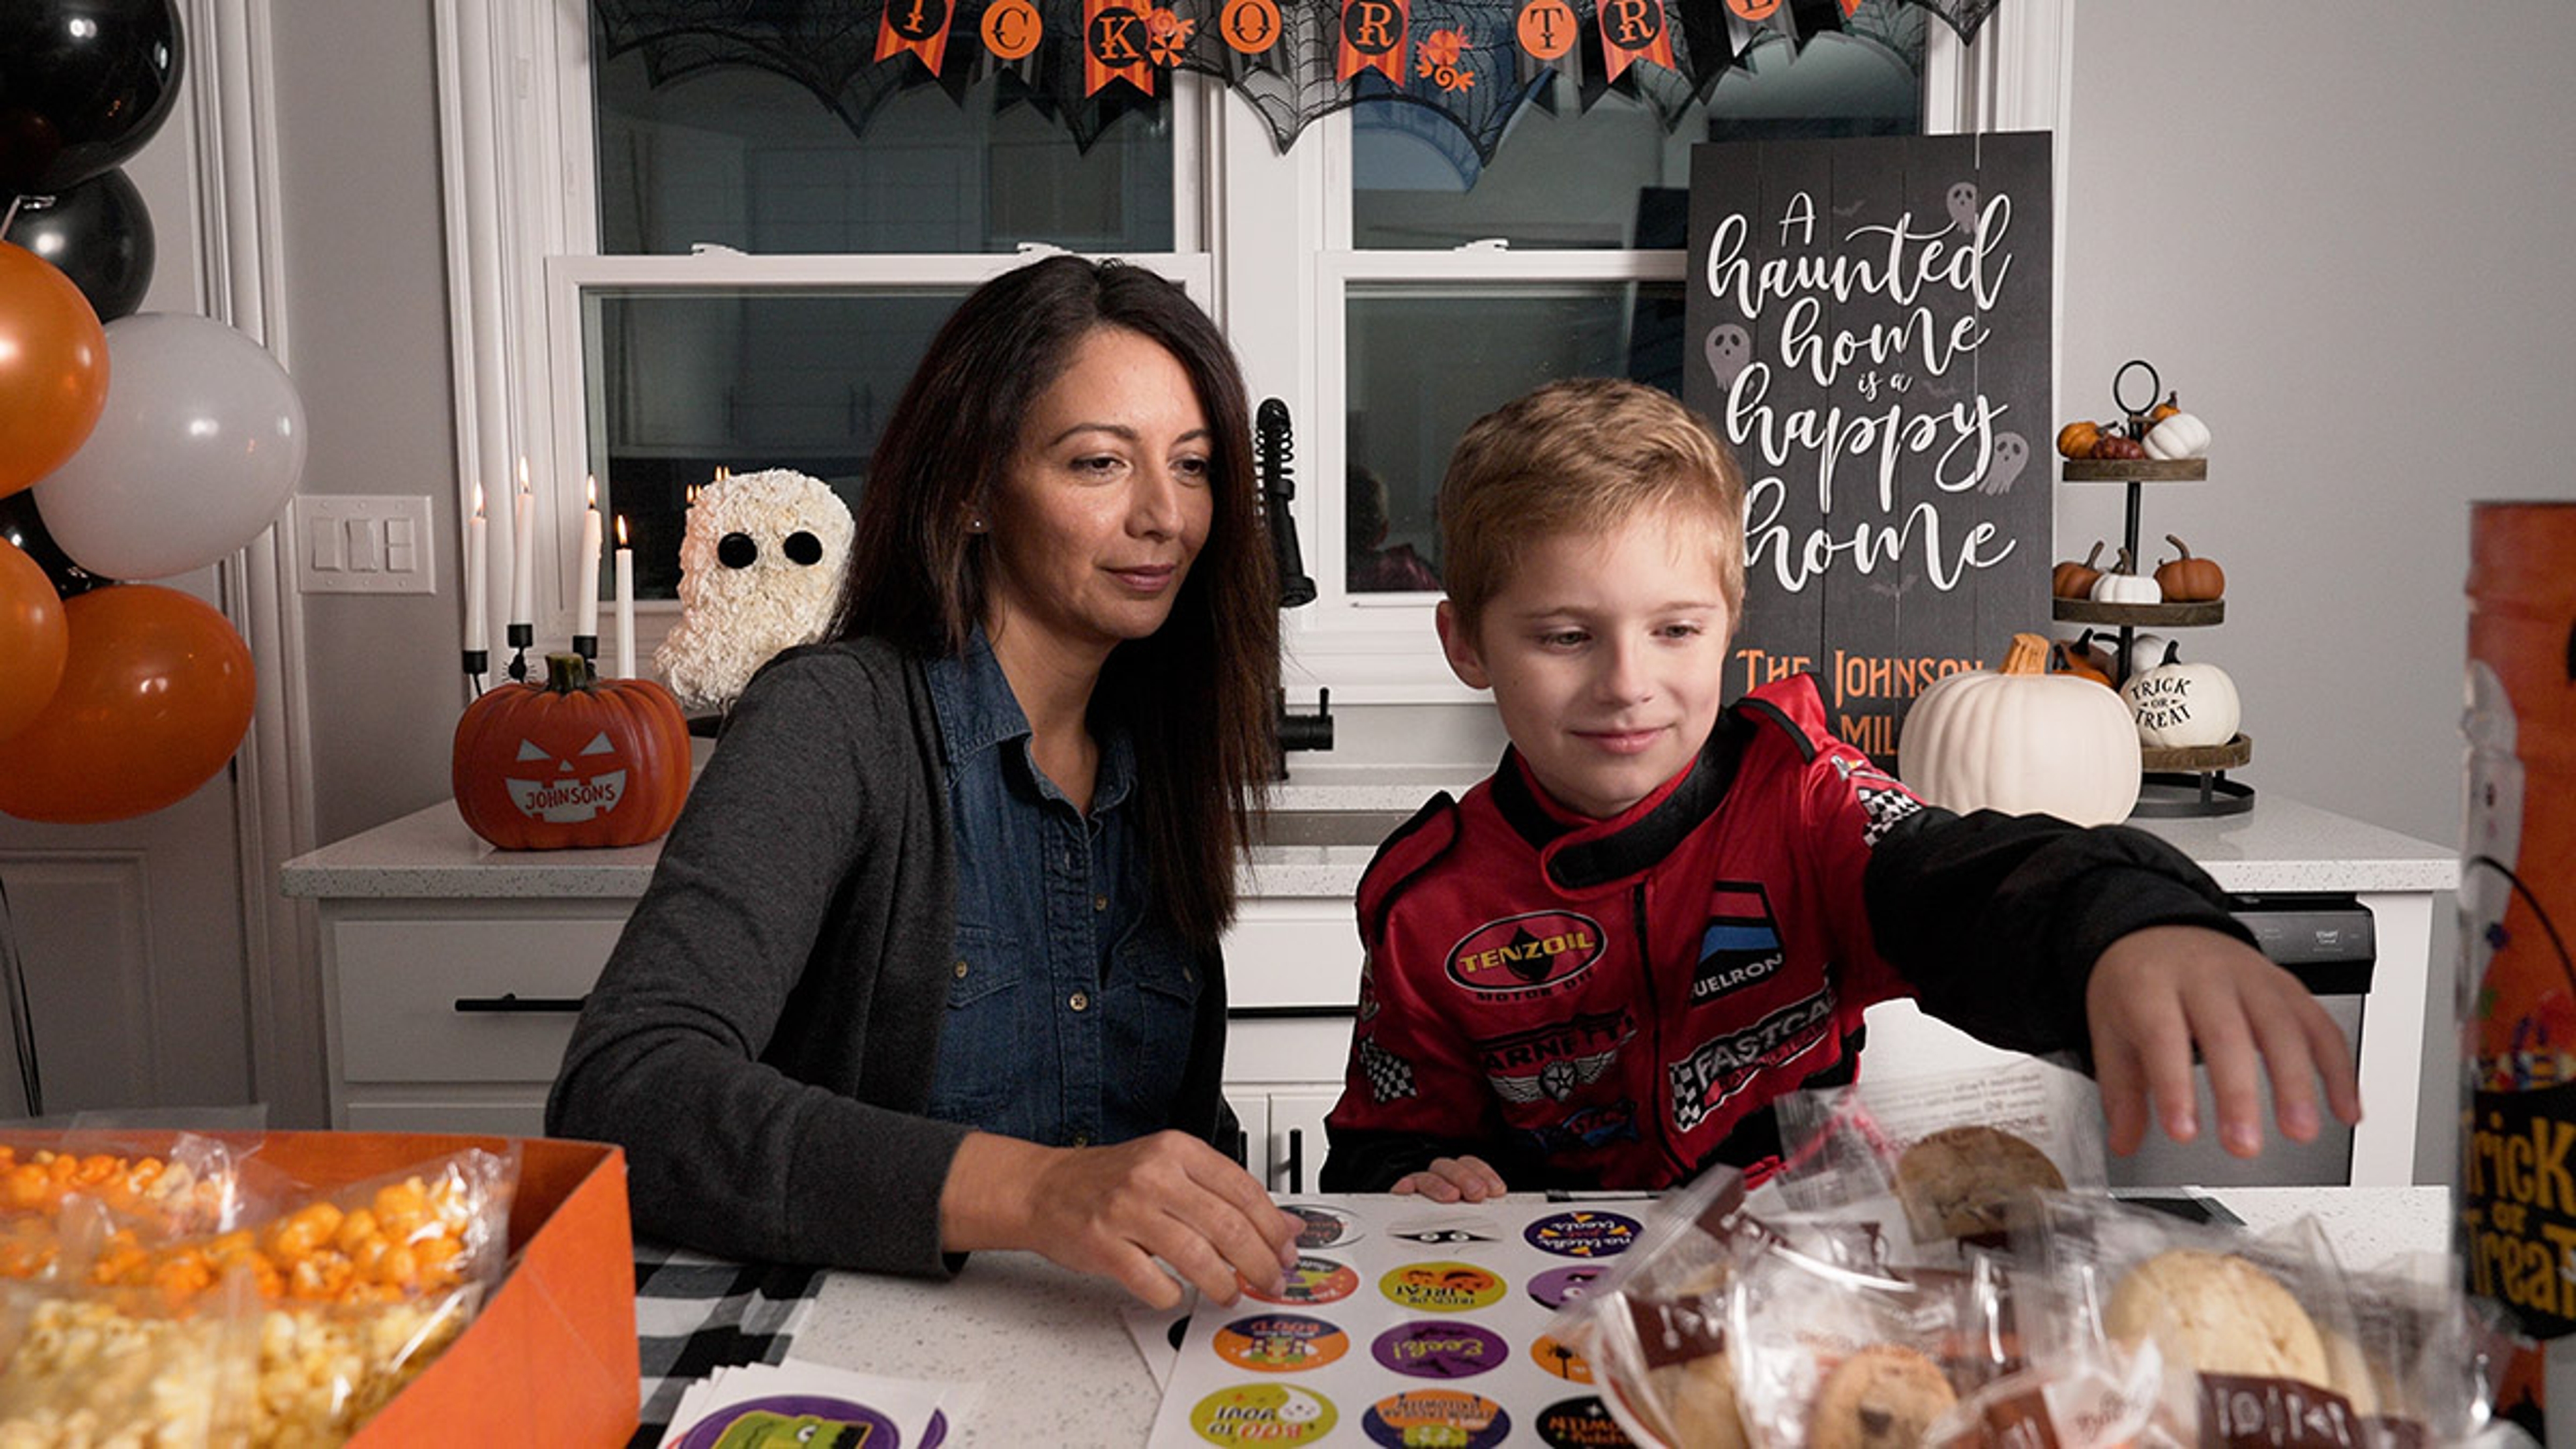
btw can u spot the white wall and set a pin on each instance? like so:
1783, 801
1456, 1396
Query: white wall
2347, 234
2344, 234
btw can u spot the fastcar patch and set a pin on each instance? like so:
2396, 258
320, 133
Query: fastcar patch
1527, 955
1720, 1068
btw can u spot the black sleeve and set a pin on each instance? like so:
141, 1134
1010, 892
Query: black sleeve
1997, 919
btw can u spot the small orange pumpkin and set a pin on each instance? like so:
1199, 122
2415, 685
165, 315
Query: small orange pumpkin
2073, 657
2072, 580
2076, 440
2190, 578
577, 761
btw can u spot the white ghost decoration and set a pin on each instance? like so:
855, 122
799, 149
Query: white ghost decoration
760, 570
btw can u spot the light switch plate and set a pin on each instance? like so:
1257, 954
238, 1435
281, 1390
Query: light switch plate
361, 544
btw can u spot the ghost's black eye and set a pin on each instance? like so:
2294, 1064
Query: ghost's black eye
736, 551
803, 548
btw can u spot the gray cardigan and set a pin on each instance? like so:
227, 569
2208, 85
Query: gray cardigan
764, 1036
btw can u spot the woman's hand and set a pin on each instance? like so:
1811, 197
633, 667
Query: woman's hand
2157, 992
1113, 1211
1454, 1179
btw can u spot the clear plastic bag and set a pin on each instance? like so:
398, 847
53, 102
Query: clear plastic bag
61, 1193
86, 1366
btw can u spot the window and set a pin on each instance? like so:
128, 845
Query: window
656, 281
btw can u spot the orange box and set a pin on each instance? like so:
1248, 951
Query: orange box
551, 1358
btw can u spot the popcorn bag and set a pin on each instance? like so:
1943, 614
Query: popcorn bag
390, 1289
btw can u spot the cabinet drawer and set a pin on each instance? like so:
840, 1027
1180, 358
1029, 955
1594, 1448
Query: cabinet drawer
462, 1001
1293, 952
527, 1119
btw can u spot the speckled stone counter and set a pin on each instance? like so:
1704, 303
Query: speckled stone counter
1058, 1367
2280, 845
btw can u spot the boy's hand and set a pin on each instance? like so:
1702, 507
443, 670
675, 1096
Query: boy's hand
2157, 992
1454, 1179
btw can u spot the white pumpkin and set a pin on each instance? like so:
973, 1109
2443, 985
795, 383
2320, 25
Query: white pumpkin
2180, 435
2023, 741
2121, 586
2102, 647
2179, 705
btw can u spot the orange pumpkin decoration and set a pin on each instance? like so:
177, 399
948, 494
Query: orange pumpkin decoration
2072, 580
577, 761
2189, 578
2066, 657
2076, 440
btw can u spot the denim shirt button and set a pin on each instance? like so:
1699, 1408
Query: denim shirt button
1080, 1001
960, 969
1082, 1139
1100, 903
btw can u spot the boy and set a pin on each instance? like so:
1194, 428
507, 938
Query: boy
1658, 915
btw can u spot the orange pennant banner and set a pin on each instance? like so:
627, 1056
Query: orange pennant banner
919, 26
1373, 36
1633, 30
1115, 44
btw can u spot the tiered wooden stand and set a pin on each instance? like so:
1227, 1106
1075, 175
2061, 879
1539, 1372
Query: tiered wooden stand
2190, 780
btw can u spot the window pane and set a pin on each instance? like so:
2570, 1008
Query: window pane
1614, 177
750, 160
683, 385
1427, 360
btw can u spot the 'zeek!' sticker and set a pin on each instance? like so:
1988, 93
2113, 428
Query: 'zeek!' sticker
1439, 1349
1442, 1287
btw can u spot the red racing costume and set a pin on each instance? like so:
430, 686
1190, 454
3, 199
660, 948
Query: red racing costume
1616, 1003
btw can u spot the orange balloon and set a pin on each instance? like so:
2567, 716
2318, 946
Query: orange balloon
156, 695
53, 368
33, 639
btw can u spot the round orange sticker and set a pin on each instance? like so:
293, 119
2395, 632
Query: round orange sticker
1012, 28
1250, 25
1546, 28
1753, 9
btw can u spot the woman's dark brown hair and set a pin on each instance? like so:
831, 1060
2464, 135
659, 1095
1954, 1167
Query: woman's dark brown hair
1199, 696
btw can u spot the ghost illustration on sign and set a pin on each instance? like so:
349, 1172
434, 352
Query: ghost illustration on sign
2003, 465
1729, 348
760, 571
1963, 206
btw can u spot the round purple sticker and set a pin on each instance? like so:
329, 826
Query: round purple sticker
786, 1415
1321, 1227
1558, 1286
1582, 1234
1429, 1349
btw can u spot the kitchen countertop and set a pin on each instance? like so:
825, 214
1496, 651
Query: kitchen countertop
2279, 845
1058, 1366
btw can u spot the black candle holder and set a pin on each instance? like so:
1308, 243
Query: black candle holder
521, 638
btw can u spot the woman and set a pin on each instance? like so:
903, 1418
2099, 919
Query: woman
930, 960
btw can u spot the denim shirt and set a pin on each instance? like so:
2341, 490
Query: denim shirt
1069, 1006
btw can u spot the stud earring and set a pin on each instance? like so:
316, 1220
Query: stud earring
975, 523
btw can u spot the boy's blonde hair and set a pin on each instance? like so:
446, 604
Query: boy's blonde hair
1586, 455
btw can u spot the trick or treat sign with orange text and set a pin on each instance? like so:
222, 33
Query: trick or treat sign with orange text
1869, 324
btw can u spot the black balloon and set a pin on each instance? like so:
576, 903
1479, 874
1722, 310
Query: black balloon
100, 234
21, 525
83, 84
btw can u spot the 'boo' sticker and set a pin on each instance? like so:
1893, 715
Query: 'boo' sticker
1263, 1414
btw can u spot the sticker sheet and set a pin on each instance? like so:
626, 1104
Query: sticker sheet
1404, 1323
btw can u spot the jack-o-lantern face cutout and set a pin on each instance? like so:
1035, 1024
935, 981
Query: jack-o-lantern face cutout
761, 563
575, 761
571, 788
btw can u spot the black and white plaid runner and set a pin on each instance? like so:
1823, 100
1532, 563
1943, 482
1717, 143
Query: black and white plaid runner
695, 1314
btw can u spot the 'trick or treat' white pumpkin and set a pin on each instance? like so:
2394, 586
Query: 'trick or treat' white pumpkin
2023, 741
2180, 704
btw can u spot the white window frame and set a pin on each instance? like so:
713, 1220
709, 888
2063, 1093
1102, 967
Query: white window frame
1261, 238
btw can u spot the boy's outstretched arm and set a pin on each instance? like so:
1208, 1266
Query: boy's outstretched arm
2157, 992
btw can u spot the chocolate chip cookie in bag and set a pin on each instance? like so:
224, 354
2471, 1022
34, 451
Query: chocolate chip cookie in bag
1954, 1151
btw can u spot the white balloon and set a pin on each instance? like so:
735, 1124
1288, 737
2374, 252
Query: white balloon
200, 445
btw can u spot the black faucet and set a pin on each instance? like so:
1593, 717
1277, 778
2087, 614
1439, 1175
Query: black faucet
1273, 446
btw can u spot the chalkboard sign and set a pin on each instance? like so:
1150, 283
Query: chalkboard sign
1871, 325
